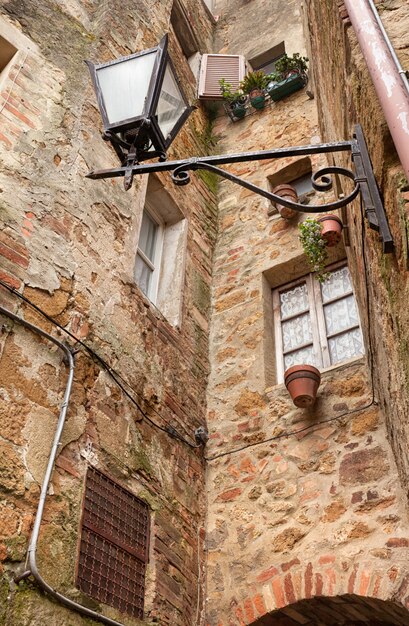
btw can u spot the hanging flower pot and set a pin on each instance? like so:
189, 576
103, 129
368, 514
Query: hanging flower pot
289, 76
289, 193
278, 90
316, 236
257, 99
238, 109
254, 84
235, 100
331, 229
302, 382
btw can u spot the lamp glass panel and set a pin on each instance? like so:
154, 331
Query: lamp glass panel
170, 104
125, 85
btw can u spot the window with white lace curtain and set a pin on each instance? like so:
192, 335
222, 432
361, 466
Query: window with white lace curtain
316, 324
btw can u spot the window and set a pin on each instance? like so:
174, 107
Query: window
213, 67
266, 60
315, 323
149, 255
209, 4
185, 35
161, 249
114, 545
7, 52
302, 184
298, 175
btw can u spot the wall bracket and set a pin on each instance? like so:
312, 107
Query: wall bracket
363, 177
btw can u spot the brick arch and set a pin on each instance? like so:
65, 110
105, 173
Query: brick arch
327, 583
347, 610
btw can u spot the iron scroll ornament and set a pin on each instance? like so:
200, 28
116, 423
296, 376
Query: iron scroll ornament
363, 177
180, 177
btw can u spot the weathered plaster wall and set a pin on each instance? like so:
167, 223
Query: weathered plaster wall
69, 245
345, 96
292, 516
267, 24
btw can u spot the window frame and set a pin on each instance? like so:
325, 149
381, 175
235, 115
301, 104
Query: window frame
269, 63
155, 265
320, 336
272, 55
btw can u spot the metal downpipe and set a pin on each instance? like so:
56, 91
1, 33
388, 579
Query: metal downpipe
391, 49
32, 549
387, 80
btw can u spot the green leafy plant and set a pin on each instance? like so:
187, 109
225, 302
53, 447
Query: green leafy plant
254, 80
314, 247
288, 64
231, 96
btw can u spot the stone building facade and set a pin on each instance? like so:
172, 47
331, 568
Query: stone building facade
68, 245
288, 516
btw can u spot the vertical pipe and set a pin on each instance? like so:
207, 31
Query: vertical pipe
390, 47
389, 87
32, 549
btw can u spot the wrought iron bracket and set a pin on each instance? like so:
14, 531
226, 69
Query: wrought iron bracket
363, 177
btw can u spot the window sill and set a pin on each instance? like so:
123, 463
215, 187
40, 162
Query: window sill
360, 360
155, 312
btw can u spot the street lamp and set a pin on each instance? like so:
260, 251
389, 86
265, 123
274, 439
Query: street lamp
142, 104
143, 107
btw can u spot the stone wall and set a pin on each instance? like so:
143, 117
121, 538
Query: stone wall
68, 245
302, 504
345, 96
305, 511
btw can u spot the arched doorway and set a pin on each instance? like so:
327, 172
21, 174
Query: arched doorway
346, 610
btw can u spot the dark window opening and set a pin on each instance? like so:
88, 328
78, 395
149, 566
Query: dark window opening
186, 36
114, 545
266, 60
302, 184
298, 174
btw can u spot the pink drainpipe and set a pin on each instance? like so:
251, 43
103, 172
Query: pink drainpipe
389, 86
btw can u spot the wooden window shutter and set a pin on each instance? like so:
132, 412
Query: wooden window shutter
231, 67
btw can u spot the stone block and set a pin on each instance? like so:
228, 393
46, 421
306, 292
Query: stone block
363, 466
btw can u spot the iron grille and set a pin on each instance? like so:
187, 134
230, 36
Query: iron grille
114, 545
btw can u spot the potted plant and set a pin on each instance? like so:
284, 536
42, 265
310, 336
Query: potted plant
289, 193
302, 382
254, 84
236, 100
315, 237
290, 75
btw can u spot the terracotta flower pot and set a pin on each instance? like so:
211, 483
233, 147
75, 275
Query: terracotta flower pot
302, 382
289, 193
257, 98
331, 229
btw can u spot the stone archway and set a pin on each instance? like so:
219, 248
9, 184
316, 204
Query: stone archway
325, 593
346, 610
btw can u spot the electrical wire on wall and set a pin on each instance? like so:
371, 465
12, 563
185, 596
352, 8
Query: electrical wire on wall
169, 429
116, 377
313, 427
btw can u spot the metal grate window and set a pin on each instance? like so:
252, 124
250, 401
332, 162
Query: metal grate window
114, 545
